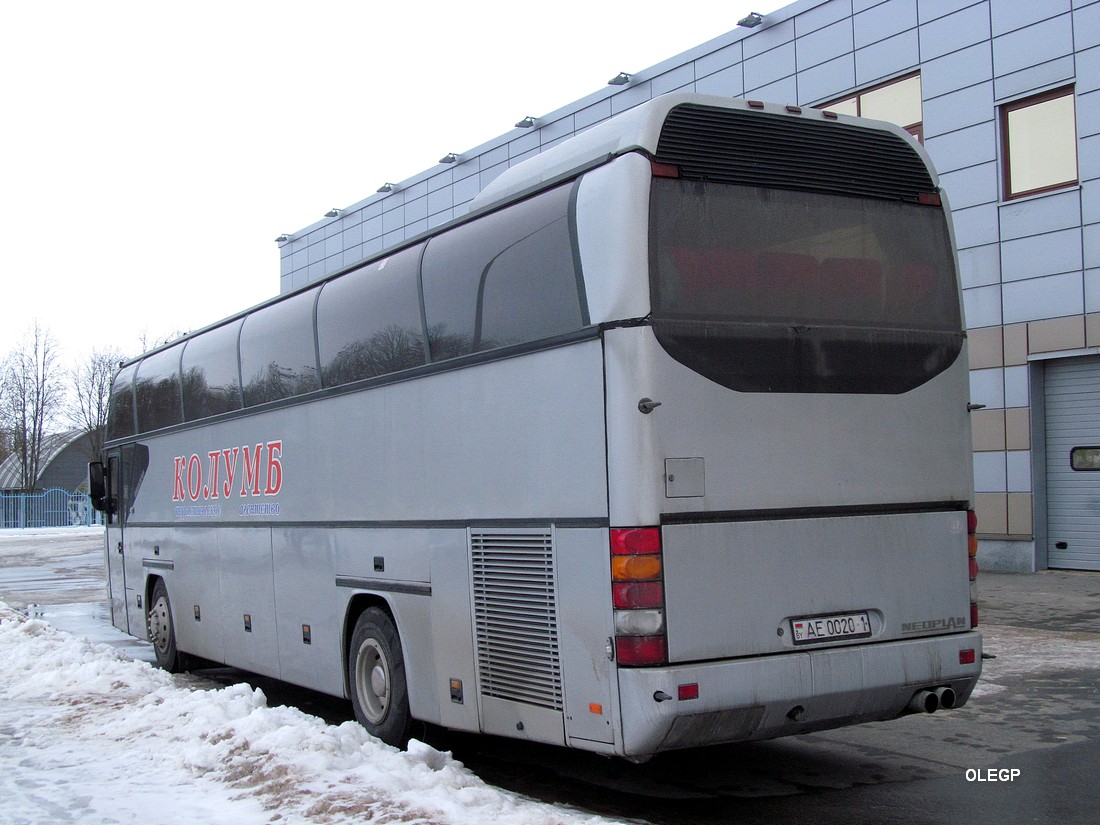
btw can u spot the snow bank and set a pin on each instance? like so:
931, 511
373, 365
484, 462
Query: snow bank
89, 735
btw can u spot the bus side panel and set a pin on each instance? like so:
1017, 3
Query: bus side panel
116, 582
194, 588
393, 565
135, 572
248, 588
412, 614
585, 628
452, 636
612, 218
309, 626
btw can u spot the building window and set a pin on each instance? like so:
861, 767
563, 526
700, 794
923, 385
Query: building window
897, 102
1039, 143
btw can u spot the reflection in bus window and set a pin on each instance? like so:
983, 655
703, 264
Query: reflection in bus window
278, 358
120, 411
211, 375
368, 321
158, 390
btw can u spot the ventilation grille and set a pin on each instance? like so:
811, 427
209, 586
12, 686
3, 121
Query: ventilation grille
515, 616
761, 149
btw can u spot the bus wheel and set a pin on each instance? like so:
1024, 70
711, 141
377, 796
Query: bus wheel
162, 633
379, 694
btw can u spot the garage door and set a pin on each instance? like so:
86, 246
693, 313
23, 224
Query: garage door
1073, 463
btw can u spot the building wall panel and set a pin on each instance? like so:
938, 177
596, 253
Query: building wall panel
886, 58
884, 20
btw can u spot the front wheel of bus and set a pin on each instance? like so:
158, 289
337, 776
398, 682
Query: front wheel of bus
379, 694
162, 633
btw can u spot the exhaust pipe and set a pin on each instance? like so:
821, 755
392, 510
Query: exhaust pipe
946, 697
925, 701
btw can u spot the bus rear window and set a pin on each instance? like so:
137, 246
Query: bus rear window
767, 290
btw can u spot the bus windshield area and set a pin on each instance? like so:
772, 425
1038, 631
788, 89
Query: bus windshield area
768, 290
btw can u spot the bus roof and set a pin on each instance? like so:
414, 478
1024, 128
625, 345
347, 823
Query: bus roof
636, 129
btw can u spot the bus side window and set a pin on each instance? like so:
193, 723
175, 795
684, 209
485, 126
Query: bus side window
529, 291
505, 278
211, 374
368, 321
120, 412
158, 390
278, 356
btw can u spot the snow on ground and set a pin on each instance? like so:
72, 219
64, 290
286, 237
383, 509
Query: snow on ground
89, 735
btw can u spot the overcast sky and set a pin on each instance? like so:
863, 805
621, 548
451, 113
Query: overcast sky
151, 152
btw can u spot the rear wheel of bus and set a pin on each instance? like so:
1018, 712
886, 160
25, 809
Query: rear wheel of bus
376, 670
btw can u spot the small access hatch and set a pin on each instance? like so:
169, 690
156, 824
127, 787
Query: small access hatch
684, 478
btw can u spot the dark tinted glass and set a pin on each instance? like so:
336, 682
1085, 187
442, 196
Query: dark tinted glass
507, 278
278, 357
211, 378
783, 291
368, 321
158, 390
120, 411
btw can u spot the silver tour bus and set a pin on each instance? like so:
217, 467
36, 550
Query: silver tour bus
664, 444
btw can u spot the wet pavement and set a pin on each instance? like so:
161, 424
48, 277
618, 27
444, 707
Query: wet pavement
1048, 600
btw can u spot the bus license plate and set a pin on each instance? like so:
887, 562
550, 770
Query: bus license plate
831, 628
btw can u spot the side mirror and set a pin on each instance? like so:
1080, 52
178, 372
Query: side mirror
97, 486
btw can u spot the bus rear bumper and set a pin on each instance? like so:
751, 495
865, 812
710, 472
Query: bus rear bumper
770, 696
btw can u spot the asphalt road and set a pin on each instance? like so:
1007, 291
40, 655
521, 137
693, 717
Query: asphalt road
1026, 749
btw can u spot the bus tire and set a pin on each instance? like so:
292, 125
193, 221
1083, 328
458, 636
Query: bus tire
376, 674
162, 631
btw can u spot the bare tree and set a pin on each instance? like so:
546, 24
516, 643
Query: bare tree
148, 342
33, 396
5, 428
89, 392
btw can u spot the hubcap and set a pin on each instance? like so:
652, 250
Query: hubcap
372, 681
160, 625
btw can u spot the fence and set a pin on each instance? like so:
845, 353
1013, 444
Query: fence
49, 508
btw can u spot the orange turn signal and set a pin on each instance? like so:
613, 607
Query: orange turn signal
635, 568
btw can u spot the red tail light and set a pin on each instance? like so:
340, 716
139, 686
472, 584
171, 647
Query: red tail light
636, 541
638, 596
640, 650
